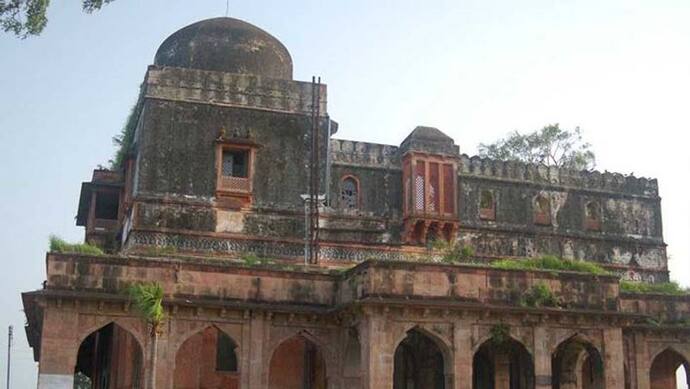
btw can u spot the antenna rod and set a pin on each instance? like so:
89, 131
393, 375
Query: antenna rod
9, 354
227, 8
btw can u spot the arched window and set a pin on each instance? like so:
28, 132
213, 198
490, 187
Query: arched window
226, 358
349, 193
487, 205
593, 216
542, 210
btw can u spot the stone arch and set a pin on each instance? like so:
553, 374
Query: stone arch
208, 357
663, 366
424, 358
576, 363
502, 363
296, 362
109, 355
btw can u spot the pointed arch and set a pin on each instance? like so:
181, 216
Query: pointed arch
209, 357
297, 362
502, 363
576, 363
423, 359
663, 367
109, 356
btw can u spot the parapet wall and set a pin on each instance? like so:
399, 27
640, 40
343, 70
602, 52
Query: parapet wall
542, 174
364, 154
239, 90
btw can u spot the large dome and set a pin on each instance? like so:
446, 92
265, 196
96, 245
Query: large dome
226, 45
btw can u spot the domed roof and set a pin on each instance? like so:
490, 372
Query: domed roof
226, 45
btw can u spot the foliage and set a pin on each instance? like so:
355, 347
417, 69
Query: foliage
26, 18
58, 245
551, 146
549, 262
148, 300
453, 252
671, 288
539, 295
500, 334
251, 259
124, 141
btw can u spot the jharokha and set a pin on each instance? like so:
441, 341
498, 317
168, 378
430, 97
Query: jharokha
291, 259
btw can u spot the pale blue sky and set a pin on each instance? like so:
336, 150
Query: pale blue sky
475, 69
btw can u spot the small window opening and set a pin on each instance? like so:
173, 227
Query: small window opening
107, 205
593, 216
349, 193
235, 163
542, 210
487, 206
226, 358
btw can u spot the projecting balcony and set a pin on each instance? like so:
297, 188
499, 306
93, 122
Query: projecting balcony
235, 184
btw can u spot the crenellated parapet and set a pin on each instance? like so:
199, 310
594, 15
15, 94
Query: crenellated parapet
348, 152
550, 175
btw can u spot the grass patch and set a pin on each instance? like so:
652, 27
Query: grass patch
670, 288
539, 295
453, 252
549, 262
58, 245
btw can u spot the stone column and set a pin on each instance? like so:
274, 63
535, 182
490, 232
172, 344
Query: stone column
377, 356
462, 356
542, 359
614, 374
165, 358
258, 373
642, 363
59, 347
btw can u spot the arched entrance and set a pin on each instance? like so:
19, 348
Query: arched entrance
209, 359
502, 364
297, 364
109, 358
418, 363
664, 370
577, 364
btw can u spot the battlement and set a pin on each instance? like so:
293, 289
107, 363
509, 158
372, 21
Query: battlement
364, 154
542, 174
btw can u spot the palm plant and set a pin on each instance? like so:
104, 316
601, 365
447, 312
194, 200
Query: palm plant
148, 300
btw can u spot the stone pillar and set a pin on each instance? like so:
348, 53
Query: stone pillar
377, 356
165, 369
59, 347
614, 374
642, 363
258, 373
462, 356
501, 370
542, 359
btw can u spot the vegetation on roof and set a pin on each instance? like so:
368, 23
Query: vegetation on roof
58, 245
125, 139
548, 262
670, 288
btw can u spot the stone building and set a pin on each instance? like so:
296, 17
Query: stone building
208, 202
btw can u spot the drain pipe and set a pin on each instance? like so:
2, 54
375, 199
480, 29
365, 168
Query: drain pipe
327, 189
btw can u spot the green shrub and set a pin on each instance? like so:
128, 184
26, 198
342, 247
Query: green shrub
539, 295
453, 252
549, 262
58, 245
671, 288
251, 259
500, 334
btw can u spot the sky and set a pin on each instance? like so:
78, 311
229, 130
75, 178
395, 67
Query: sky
620, 70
